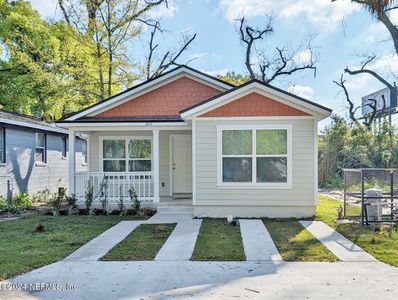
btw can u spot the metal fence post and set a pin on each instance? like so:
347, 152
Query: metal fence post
362, 199
392, 193
345, 192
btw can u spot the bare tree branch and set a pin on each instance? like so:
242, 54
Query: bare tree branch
283, 64
249, 35
64, 12
368, 118
168, 59
351, 107
363, 70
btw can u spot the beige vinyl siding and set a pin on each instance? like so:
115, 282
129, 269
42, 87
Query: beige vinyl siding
302, 191
164, 152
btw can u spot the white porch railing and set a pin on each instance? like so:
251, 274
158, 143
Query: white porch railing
117, 186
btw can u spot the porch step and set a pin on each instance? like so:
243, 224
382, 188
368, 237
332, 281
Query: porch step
182, 196
175, 209
176, 203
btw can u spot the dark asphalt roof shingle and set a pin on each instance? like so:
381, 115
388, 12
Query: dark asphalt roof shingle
6, 116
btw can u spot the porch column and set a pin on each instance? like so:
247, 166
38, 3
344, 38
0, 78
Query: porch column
71, 162
156, 165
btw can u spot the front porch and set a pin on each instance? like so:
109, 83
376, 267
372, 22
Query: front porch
154, 165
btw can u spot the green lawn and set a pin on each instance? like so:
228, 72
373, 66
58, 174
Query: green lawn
218, 241
381, 241
295, 243
22, 249
142, 244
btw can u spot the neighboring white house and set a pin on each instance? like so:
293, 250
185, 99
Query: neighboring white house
249, 151
34, 154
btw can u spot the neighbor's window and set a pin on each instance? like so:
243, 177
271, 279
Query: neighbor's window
2, 145
133, 155
64, 146
40, 149
254, 156
84, 152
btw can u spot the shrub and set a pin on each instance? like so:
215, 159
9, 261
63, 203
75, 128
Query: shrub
122, 207
89, 196
3, 203
71, 200
42, 196
21, 201
104, 194
134, 200
56, 202
335, 182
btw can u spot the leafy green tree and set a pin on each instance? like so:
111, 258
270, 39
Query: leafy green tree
44, 70
109, 26
234, 78
344, 145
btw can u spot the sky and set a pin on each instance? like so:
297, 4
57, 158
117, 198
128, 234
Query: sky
344, 33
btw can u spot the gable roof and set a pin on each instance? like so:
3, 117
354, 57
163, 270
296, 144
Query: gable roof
255, 85
148, 85
16, 119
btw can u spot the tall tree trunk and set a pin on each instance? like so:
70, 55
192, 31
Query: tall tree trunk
98, 55
110, 50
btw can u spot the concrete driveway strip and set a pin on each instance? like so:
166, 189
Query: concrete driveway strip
209, 280
257, 241
181, 242
98, 247
343, 248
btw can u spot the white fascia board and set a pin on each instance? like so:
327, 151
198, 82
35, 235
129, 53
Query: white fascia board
34, 126
262, 90
125, 126
145, 88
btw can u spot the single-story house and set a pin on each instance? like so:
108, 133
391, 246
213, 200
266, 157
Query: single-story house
248, 151
34, 154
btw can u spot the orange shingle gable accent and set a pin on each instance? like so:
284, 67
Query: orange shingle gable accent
254, 105
166, 100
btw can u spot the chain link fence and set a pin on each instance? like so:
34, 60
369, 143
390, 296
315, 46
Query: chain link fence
371, 195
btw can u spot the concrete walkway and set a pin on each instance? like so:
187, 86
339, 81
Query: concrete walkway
98, 247
180, 244
343, 248
257, 241
162, 218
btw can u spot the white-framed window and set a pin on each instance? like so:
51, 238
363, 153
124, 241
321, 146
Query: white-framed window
2, 145
41, 147
258, 156
126, 154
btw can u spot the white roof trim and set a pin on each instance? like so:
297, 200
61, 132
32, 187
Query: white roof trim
34, 126
126, 126
151, 85
121, 124
262, 90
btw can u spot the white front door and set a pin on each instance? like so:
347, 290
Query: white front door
182, 163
